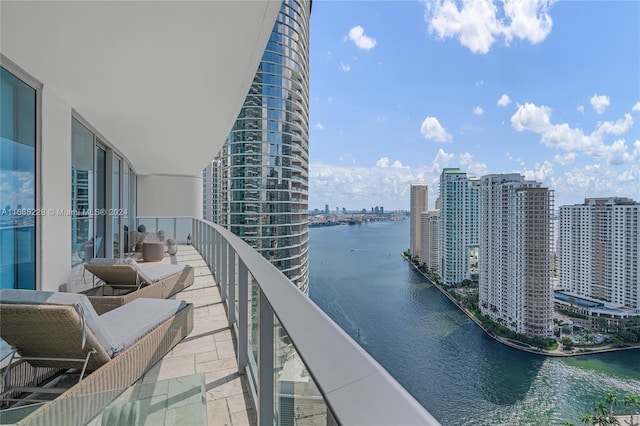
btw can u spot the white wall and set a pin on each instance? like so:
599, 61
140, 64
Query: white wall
161, 195
55, 193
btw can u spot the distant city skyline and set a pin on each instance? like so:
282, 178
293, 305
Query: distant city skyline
399, 92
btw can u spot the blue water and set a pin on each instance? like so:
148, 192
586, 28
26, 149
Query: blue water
440, 356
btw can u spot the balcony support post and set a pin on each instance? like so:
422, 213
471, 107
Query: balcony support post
208, 245
210, 251
243, 316
218, 254
265, 363
223, 276
231, 286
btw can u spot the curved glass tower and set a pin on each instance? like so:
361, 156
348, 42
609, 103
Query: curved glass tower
265, 162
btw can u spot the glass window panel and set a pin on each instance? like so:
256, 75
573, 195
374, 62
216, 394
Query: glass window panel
148, 224
17, 171
82, 188
297, 400
115, 212
183, 230
126, 206
236, 284
253, 332
167, 225
100, 218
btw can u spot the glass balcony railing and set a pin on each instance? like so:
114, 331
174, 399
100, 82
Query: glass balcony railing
301, 367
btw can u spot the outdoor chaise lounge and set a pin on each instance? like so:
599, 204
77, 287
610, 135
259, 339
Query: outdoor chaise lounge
125, 280
60, 331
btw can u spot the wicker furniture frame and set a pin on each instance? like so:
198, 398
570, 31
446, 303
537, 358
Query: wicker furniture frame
107, 297
82, 402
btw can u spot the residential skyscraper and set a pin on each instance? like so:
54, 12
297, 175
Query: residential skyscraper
515, 234
265, 162
458, 224
419, 203
599, 250
430, 239
211, 190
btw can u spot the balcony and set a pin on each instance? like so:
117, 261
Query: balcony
253, 330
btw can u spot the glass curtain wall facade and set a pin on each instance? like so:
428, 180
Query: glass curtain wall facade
102, 200
265, 162
17, 183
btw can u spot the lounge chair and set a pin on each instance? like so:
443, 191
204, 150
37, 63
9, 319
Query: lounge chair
125, 280
62, 331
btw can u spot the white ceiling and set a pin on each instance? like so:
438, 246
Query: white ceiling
162, 81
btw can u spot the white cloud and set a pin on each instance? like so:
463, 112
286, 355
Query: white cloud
17, 187
329, 99
617, 152
541, 172
636, 107
538, 119
504, 100
431, 129
386, 183
530, 20
615, 128
478, 23
442, 160
361, 187
565, 159
345, 67
479, 83
477, 169
531, 117
564, 137
477, 110
597, 180
599, 103
356, 34
398, 165
319, 126
465, 158
580, 109
383, 162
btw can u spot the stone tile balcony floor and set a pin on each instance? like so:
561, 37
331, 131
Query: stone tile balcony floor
209, 349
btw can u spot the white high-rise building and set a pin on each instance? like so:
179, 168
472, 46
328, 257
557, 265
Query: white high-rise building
429, 239
211, 186
599, 250
515, 235
419, 203
458, 224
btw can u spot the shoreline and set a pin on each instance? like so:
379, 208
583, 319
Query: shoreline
506, 342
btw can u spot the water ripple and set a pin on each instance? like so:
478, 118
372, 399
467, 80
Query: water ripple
439, 355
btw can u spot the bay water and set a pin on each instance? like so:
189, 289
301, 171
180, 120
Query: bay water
458, 373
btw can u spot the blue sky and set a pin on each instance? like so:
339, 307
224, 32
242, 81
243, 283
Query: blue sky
402, 89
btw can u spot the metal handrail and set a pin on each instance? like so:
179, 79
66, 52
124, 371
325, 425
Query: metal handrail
355, 387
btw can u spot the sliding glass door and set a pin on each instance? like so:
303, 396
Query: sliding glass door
17, 183
102, 198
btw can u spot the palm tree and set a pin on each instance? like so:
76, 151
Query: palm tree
612, 399
633, 402
604, 416
588, 419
